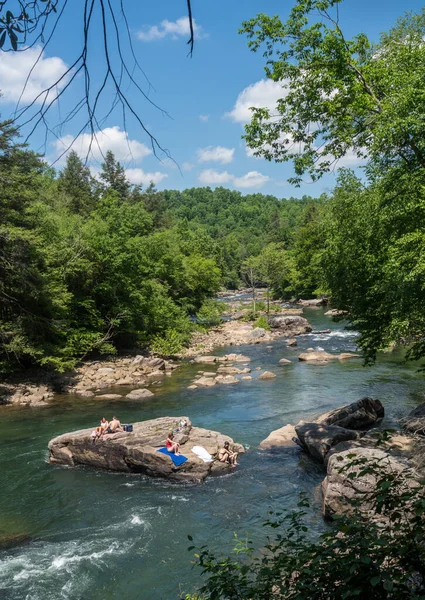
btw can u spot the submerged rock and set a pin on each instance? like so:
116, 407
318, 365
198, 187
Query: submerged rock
137, 452
321, 356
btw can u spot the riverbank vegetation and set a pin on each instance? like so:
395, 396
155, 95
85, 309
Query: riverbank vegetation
92, 265
96, 264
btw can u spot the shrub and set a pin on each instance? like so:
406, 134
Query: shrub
262, 322
169, 343
383, 558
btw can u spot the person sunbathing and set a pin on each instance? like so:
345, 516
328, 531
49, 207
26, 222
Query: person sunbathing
114, 426
227, 456
99, 431
171, 445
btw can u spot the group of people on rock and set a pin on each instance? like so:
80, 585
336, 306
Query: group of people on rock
112, 426
225, 455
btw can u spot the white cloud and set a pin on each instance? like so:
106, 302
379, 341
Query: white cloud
175, 29
15, 68
253, 179
211, 177
216, 154
204, 118
262, 94
110, 138
187, 166
140, 177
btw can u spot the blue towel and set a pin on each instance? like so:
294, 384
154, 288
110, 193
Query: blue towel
177, 460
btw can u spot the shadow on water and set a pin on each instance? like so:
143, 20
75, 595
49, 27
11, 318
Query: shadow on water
110, 535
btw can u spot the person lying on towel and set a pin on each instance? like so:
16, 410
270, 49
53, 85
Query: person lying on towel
171, 445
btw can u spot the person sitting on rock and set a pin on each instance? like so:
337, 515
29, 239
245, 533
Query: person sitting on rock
114, 426
99, 431
227, 456
171, 445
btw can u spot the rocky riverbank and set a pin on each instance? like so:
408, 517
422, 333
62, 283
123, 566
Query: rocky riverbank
344, 441
236, 333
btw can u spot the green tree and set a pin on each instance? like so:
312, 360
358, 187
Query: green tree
113, 176
339, 95
76, 182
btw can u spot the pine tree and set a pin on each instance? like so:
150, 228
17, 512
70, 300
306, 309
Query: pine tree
77, 183
113, 176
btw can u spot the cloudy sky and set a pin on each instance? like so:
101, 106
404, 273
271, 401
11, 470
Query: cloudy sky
202, 103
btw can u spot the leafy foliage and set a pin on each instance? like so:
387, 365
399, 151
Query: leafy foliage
383, 560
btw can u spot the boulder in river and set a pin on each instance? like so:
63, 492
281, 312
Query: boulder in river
280, 438
140, 394
290, 325
285, 361
267, 375
323, 356
415, 421
358, 415
137, 452
334, 312
343, 484
313, 302
318, 439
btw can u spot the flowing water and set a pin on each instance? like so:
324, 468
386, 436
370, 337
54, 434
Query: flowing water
101, 535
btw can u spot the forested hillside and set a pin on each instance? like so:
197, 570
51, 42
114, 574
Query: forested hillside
91, 265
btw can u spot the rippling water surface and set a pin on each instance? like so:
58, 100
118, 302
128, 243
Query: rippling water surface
103, 535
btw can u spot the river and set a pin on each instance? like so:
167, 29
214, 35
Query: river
109, 536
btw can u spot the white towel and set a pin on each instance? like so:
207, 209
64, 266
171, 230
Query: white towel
202, 454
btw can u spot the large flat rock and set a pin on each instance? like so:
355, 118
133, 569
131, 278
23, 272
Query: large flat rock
318, 439
290, 325
137, 452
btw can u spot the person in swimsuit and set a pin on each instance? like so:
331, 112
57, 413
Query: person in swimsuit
99, 431
227, 456
171, 445
114, 426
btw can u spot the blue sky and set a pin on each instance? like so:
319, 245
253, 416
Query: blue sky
206, 96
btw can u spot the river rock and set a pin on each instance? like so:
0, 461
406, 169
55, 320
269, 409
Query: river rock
136, 452
205, 382
192, 387
318, 439
415, 421
228, 380
292, 342
280, 438
358, 415
140, 394
257, 332
317, 356
290, 325
339, 486
247, 377
285, 361
205, 360
25, 395
267, 375
84, 393
334, 312
11, 540
313, 302
158, 364
347, 355
104, 371
109, 397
